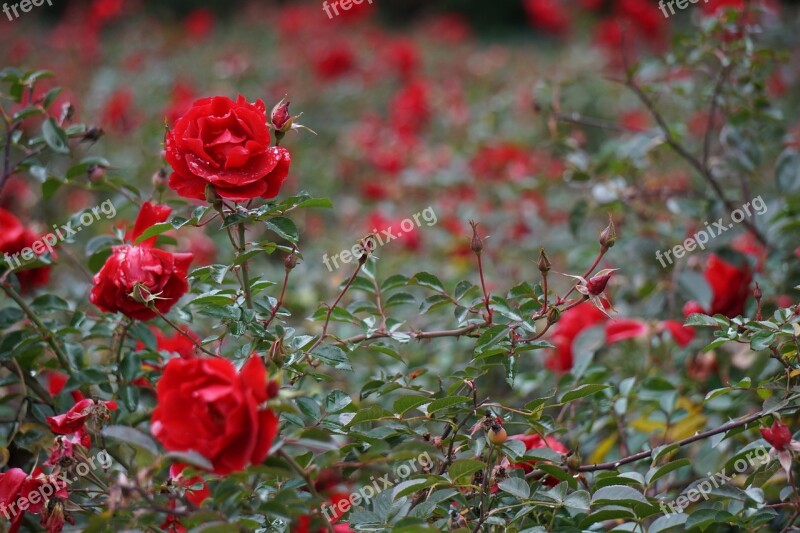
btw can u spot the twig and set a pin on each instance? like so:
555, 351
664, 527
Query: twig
611, 465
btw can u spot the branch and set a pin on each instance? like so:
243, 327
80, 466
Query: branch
611, 465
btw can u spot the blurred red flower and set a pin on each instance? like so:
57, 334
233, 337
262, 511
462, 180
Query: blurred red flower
730, 287
14, 237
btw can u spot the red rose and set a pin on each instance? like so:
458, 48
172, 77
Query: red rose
206, 406
225, 145
134, 271
14, 237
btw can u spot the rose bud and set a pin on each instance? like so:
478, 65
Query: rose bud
778, 435
597, 284
280, 117
608, 236
160, 180
544, 262
477, 244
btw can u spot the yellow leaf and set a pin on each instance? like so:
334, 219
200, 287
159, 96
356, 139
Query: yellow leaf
602, 449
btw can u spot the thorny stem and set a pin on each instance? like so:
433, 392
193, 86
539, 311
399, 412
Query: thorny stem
611, 465
245, 268
182, 332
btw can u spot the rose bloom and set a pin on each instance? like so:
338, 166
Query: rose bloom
585, 316
135, 270
206, 406
13, 238
79, 414
225, 145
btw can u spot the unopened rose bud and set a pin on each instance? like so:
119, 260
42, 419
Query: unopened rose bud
140, 294
280, 117
544, 262
276, 353
213, 198
290, 262
477, 244
608, 236
597, 284
574, 460
757, 292
553, 315
159, 179
95, 173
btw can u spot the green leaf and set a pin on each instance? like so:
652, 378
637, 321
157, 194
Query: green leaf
696, 319
490, 338
333, 356
463, 468
55, 137
655, 474
406, 403
284, 228
516, 487
131, 436
152, 231
424, 279
618, 494
447, 402
582, 392
368, 414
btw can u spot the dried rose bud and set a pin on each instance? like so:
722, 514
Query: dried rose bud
553, 315
477, 244
608, 236
757, 294
159, 179
597, 284
290, 262
544, 262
